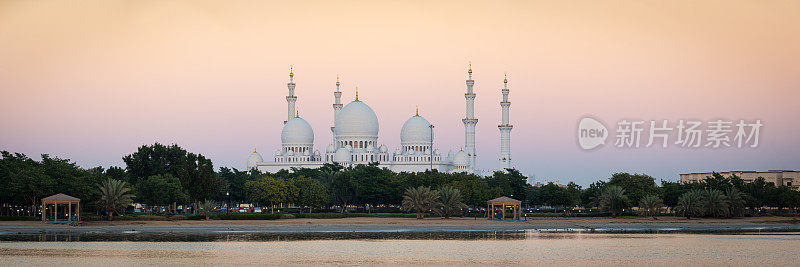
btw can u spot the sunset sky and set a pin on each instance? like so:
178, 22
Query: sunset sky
93, 80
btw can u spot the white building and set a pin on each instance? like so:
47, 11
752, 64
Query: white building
355, 139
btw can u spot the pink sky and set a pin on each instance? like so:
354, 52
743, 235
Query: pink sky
93, 80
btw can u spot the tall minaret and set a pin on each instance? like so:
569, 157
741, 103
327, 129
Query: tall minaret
505, 129
337, 105
469, 123
291, 98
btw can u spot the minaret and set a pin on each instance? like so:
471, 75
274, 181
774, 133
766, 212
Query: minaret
469, 123
291, 98
505, 129
337, 105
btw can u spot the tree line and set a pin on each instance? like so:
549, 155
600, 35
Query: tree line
169, 176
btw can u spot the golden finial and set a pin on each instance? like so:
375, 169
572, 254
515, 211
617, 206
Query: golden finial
297, 113
254, 150
417, 115
291, 70
337, 79
357, 94
505, 77
470, 67
461, 149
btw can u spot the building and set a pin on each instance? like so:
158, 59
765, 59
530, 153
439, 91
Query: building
778, 177
355, 139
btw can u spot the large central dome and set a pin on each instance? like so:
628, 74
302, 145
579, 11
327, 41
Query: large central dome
356, 119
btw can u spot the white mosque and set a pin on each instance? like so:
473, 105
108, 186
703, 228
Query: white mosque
355, 139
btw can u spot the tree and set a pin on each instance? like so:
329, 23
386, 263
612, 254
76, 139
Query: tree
340, 185
511, 181
269, 190
613, 199
115, 196
689, 204
195, 171
650, 205
714, 203
312, 193
208, 208
736, 202
420, 199
371, 184
450, 201
236, 180
636, 185
158, 190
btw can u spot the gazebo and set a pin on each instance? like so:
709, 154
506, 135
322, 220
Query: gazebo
503, 202
62, 199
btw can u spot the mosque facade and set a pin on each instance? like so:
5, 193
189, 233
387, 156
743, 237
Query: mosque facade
355, 139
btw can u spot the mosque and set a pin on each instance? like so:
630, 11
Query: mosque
355, 139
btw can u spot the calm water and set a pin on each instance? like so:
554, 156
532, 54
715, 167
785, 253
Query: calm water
534, 249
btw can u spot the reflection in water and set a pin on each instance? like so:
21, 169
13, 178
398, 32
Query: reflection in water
528, 248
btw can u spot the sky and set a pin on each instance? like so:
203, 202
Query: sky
93, 80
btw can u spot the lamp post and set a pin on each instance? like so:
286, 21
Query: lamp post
431, 149
227, 199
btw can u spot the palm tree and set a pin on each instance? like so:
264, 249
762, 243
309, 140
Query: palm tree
650, 205
420, 199
208, 207
689, 204
715, 203
613, 199
736, 203
115, 196
450, 201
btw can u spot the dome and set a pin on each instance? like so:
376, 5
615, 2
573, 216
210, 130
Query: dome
461, 159
356, 119
416, 130
383, 149
297, 131
342, 156
331, 149
254, 159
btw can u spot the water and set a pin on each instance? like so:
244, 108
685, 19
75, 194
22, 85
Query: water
531, 248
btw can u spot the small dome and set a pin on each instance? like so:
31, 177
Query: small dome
331, 149
383, 149
349, 147
415, 130
370, 148
297, 131
397, 151
277, 152
356, 119
306, 153
290, 153
461, 159
316, 152
254, 159
342, 156
427, 151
